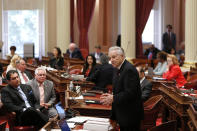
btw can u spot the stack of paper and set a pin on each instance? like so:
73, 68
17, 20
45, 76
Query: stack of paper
97, 124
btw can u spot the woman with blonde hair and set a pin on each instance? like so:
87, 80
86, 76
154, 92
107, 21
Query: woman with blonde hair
174, 72
12, 65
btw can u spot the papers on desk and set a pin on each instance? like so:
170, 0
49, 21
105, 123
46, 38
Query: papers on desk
101, 124
77, 119
95, 125
76, 98
71, 125
158, 78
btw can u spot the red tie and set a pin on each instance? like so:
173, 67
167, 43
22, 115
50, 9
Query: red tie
25, 78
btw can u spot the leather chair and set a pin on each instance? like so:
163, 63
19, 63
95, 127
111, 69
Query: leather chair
191, 82
167, 126
3, 126
151, 110
84, 52
11, 119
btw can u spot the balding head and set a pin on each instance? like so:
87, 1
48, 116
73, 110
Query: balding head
21, 65
72, 47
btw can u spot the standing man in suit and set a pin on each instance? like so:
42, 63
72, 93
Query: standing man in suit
97, 54
169, 40
24, 75
74, 52
44, 92
127, 107
20, 99
146, 85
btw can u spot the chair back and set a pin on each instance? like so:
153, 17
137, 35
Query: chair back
84, 52
191, 82
75, 69
3, 126
152, 102
167, 126
151, 110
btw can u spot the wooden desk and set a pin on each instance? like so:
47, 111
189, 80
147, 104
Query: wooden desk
70, 61
4, 62
157, 84
96, 110
61, 84
54, 125
192, 113
177, 104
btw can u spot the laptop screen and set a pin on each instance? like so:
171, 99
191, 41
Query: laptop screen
60, 110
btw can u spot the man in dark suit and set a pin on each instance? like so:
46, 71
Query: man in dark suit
20, 99
74, 52
97, 54
24, 75
127, 107
47, 98
103, 76
169, 40
146, 85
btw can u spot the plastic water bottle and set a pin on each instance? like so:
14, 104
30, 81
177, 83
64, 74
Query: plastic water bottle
71, 86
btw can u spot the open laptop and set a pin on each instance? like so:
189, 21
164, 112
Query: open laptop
62, 123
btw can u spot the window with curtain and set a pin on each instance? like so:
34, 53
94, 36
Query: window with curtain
23, 23
148, 33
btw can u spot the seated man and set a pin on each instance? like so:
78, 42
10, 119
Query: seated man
151, 52
24, 75
44, 92
74, 52
97, 54
20, 99
146, 85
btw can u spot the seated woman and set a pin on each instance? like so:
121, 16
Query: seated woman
103, 76
90, 66
12, 65
174, 72
162, 64
57, 61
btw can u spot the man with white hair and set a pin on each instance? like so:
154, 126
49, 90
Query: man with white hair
127, 107
44, 92
24, 75
74, 51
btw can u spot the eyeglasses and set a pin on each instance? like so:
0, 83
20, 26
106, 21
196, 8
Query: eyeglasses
41, 74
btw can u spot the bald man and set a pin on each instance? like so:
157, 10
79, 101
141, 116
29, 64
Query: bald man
74, 52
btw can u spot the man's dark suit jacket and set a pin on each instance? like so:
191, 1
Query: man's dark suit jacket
167, 46
127, 107
102, 77
75, 54
13, 102
57, 63
146, 88
29, 75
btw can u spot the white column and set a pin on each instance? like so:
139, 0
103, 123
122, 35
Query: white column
128, 27
191, 31
63, 24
